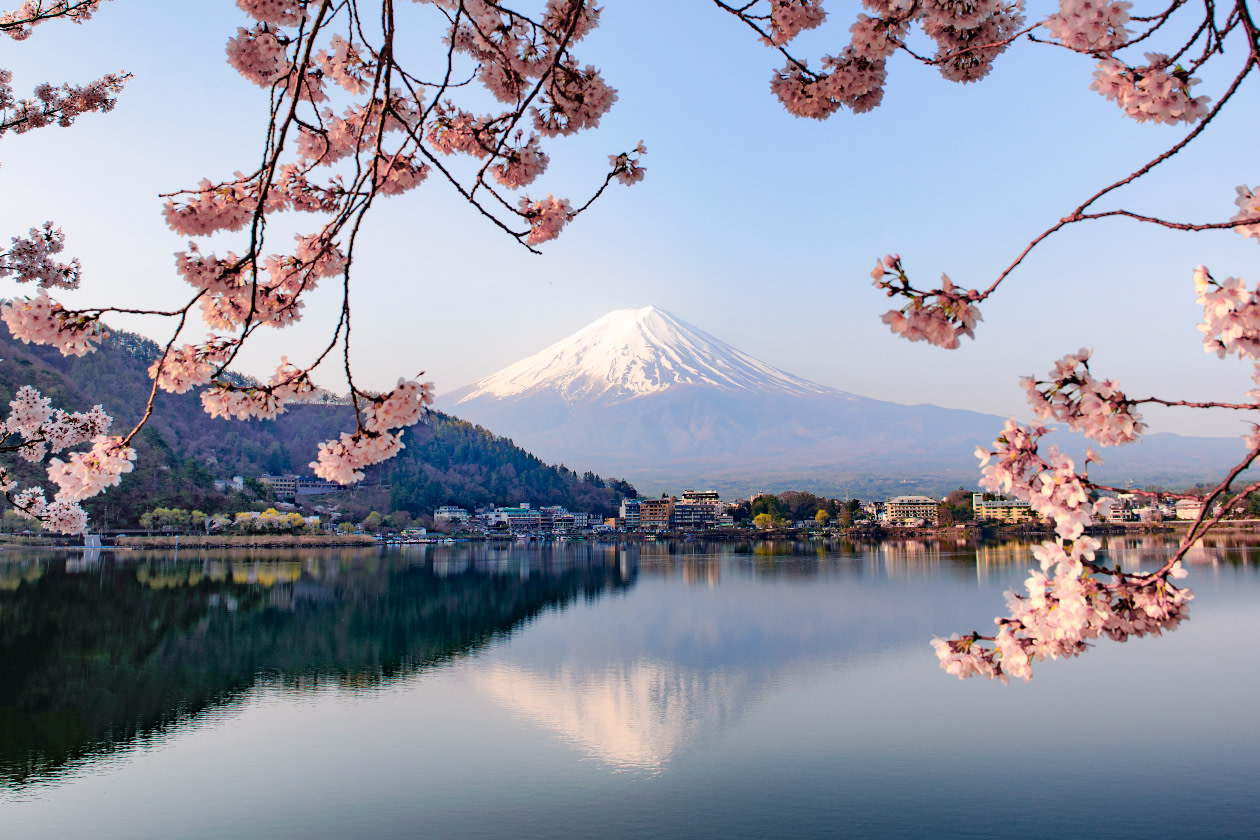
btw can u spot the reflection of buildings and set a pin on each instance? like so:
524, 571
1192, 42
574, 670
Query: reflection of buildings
707, 571
635, 715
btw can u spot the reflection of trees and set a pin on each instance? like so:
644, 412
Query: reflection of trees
90, 662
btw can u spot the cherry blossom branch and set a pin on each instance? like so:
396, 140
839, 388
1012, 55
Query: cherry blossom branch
1078, 214
1187, 226
17, 24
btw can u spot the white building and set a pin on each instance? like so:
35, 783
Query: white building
1189, 508
451, 515
901, 509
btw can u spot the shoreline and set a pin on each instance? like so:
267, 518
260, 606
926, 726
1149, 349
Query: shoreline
955, 532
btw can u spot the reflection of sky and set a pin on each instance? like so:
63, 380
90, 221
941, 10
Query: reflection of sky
805, 703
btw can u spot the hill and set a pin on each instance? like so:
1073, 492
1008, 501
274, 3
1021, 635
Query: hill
183, 449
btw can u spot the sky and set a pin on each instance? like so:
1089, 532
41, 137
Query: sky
755, 226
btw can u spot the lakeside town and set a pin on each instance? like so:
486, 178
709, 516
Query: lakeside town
295, 508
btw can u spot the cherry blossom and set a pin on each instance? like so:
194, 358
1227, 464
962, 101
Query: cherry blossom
188, 366
278, 12
28, 412
342, 461
1067, 603
258, 55
31, 260
521, 166
546, 218
1248, 210
403, 406
938, 317
627, 167
17, 24
1097, 409
1150, 92
86, 474
1231, 315
41, 320
1090, 25
789, 17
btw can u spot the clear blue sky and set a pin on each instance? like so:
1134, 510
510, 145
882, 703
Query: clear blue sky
752, 225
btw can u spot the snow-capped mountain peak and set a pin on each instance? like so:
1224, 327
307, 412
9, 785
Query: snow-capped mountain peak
633, 352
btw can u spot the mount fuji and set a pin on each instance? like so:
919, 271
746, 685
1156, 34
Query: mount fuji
642, 394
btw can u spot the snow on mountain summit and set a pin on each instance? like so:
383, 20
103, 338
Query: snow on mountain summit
633, 352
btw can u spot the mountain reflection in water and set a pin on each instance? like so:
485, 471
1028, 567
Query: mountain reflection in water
99, 653
94, 656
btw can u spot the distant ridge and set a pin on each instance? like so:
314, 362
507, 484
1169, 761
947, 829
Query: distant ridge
643, 394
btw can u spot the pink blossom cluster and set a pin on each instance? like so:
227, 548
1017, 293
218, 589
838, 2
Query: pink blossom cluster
1248, 202
1049, 484
56, 105
89, 473
546, 217
788, 18
213, 207
849, 80
346, 65
64, 516
184, 368
398, 174
939, 316
208, 273
877, 38
17, 24
1064, 607
1152, 92
32, 417
31, 259
1099, 410
41, 428
41, 320
521, 166
573, 100
1090, 25
229, 401
258, 55
969, 35
626, 167
403, 406
455, 131
277, 12
1231, 315
342, 461
28, 411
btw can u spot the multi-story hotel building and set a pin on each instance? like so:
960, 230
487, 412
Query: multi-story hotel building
906, 508
696, 516
630, 514
656, 514
1001, 510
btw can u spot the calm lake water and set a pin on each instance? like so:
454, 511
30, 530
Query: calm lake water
587, 690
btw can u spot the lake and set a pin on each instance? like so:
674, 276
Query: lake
594, 690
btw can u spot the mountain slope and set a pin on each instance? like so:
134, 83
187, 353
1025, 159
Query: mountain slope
643, 394
634, 352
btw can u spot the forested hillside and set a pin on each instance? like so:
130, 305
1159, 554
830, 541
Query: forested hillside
182, 451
